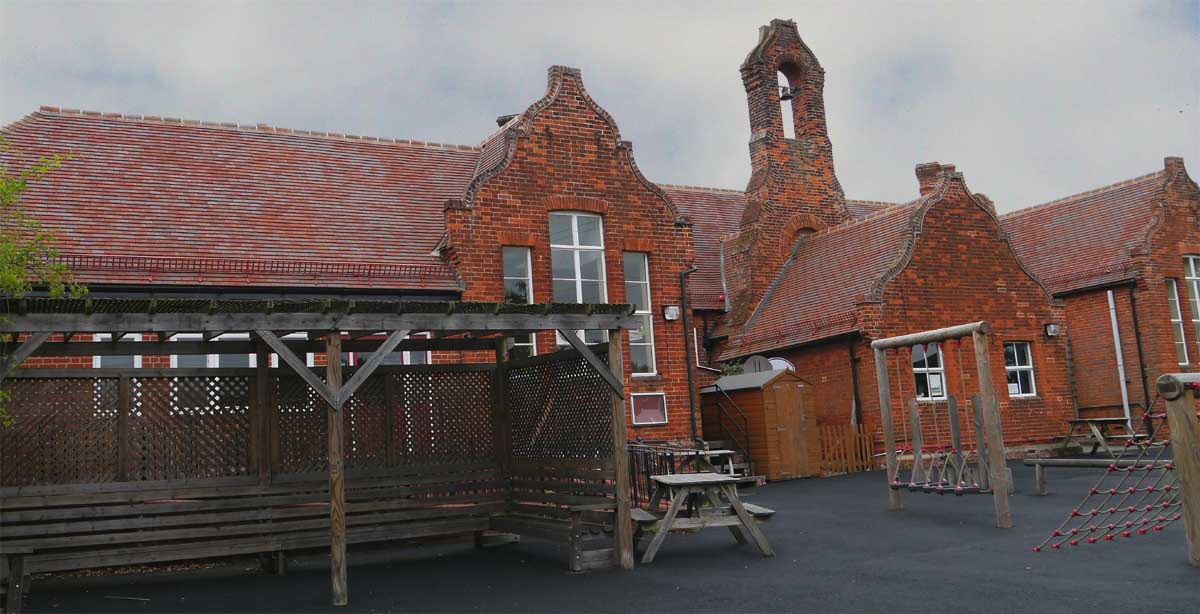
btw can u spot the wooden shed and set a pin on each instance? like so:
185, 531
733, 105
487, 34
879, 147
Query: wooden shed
770, 416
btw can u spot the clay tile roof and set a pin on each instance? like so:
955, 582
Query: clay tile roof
862, 208
1085, 240
169, 201
815, 294
714, 213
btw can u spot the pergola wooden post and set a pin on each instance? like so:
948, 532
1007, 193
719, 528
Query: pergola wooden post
337, 474
624, 528
1179, 391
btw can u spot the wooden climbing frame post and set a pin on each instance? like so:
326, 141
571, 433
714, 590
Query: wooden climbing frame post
1179, 391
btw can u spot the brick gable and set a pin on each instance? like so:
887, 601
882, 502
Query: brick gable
565, 153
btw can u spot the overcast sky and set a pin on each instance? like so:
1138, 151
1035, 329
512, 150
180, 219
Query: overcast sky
1032, 101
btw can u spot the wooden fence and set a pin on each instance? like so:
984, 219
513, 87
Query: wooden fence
846, 448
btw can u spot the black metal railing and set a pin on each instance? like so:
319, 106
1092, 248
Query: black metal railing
648, 459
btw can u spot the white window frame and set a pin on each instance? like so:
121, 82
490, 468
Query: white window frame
352, 358
309, 358
648, 313
189, 337
107, 338
408, 354
1176, 312
213, 361
1020, 367
940, 371
633, 408
778, 362
528, 279
576, 249
1191, 272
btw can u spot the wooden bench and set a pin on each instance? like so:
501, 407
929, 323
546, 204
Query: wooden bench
571, 502
58, 528
1041, 464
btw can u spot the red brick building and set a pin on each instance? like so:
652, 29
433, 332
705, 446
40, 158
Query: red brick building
812, 277
552, 207
1128, 252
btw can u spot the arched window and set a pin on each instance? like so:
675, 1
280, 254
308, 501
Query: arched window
785, 107
778, 364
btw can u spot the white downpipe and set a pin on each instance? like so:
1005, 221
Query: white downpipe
1112, 314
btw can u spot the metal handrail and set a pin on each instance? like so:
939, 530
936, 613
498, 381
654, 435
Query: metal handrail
744, 427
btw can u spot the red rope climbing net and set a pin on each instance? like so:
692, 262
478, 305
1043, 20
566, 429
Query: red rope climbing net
1131, 498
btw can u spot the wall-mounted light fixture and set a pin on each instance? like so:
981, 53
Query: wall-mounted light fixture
1053, 330
671, 312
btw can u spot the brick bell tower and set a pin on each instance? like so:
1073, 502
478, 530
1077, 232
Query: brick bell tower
793, 189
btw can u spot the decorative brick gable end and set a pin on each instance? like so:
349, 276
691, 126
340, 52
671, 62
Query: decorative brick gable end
953, 265
565, 153
790, 177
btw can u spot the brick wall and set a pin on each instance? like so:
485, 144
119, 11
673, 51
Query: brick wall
1094, 360
569, 157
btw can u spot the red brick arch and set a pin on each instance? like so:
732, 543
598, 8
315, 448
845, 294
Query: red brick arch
800, 222
575, 203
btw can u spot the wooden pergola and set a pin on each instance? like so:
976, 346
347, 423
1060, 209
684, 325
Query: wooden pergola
462, 326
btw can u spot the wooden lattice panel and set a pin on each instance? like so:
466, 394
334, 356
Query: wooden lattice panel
189, 427
365, 428
303, 424
64, 431
443, 417
397, 418
560, 409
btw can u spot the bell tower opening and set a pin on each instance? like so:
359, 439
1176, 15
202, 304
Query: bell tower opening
787, 114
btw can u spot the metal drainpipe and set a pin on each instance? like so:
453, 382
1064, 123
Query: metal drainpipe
1137, 336
856, 415
1116, 333
687, 351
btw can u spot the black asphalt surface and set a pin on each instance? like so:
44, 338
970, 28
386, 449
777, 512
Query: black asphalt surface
839, 550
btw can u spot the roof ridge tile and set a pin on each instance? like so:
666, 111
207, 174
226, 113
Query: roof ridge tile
872, 202
703, 188
259, 128
1094, 191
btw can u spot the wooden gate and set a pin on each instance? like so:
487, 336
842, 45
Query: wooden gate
846, 448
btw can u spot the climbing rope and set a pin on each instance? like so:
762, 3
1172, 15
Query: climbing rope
1151, 481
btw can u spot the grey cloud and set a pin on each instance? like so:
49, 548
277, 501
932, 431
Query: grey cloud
1031, 100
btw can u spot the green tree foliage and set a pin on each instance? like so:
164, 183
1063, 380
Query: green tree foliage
28, 258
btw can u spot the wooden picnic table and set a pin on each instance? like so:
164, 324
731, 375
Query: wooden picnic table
698, 501
709, 456
1098, 428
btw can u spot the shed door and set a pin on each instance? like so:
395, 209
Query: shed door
788, 422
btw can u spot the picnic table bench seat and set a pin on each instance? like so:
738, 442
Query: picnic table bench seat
648, 521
